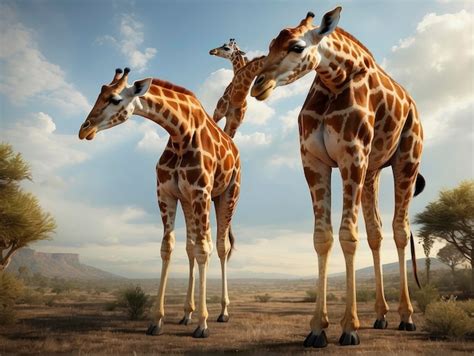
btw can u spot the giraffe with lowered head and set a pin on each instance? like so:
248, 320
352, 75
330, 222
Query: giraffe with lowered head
200, 164
357, 119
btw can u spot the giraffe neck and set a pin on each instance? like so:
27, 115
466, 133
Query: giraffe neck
341, 59
170, 110
243, 80
238, 61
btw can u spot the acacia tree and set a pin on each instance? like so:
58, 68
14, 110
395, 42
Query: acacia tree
427, 243
451, 218
450, 256
22, 221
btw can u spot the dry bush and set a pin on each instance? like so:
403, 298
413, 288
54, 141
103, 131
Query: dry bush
392, 294
135, 301
447, 319
310, 295
365, 295
10, 290
467, 306
263, 298
331, 297
425, 296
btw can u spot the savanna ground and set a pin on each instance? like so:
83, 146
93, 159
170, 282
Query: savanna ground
81, 322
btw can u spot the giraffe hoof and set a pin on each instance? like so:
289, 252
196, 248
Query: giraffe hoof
351, 338
223, 318
185, 321
316, 340
200, 333
380, 324
154, 330
406, 326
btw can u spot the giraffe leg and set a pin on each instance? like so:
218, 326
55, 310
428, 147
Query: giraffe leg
168, 213
405, 170
225, 207
373, 226
221, 109
201, 202
189, 306
318, 177
353, 169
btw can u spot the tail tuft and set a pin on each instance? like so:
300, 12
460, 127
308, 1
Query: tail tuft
413, 259
419, 184
231, 240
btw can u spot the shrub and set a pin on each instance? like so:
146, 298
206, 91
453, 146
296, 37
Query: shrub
31, 297
135, 301
426, 295
310, 295
111, 306
467, 306
10, 290
331, 297
365, 295
392, 294
263, 298
447, 319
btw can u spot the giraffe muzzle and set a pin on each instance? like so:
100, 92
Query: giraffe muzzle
262, 89
87, 131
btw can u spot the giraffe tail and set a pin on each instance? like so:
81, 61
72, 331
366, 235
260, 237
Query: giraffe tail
231, 240
413, 259
419, 184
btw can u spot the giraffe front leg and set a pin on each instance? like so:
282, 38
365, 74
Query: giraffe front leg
318, 177
168, 213
203, 247
189, 306
353, 169
373, 226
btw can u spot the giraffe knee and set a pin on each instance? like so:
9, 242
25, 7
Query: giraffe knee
401, 234
202, 250
374, 239
190, 248
223, 247
323, 242
167, 246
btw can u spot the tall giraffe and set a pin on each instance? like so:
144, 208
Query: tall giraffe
233, 103
359, 120
200, 163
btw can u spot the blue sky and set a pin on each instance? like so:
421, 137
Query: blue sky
55, 55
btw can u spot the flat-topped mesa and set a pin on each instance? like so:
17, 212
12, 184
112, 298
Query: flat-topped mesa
200, 164
233, 103
232, 52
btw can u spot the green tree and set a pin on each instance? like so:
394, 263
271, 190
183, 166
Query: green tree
451, 218
450, 256
22, 221
427, 243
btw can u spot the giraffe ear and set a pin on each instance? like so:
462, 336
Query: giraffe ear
328, 23
141, 87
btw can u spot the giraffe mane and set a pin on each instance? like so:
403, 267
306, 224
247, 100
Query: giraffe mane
344, 33
167, 85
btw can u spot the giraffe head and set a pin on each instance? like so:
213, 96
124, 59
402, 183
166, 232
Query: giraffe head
227, 50
294, 53
115, 104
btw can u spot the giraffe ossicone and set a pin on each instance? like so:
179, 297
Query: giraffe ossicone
200, 164
358, 119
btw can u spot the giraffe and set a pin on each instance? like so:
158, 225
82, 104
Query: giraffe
233, 103
232, 52
200, 163
358, 119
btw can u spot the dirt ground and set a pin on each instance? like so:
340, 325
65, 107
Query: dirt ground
278, 326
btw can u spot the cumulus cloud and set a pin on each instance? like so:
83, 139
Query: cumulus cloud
130, 41
252, 140
435, 65
152, 142
27, 74
290, 119
299, 87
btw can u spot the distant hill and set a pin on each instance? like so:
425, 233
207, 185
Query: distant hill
393, 268
62, 265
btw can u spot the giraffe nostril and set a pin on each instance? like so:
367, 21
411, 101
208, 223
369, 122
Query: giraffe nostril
260, 80
86, 124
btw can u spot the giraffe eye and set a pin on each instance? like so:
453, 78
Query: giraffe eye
115, 101
297, 49
226, 48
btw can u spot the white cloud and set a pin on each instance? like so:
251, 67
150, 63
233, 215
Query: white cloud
290, 119
289, 160
27, 74
152, 142
253, 54
129, 43
435, 65
299, 87
252, 140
